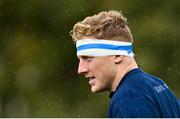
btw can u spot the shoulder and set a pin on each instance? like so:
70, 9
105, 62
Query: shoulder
142, 95
132, 104
134, 97
144, 82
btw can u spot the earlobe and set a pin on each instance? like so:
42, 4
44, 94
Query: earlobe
118, 59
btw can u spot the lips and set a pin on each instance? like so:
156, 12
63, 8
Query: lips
90, 77
91, 81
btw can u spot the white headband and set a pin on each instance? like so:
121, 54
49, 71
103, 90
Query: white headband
98, 47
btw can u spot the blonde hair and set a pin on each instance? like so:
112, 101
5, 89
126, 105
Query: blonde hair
105, 25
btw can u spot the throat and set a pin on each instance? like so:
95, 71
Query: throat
121, 72
117, 80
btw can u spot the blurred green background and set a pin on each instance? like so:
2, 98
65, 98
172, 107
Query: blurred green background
38, 64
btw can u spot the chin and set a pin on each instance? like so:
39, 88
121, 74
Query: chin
96, 90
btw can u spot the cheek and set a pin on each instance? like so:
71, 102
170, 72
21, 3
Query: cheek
103, 82
108, 74
96, 67
104, 73
102, 68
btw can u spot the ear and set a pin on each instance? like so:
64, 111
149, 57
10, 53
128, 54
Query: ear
118, 59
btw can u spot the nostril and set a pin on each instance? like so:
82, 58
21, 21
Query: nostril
82, 70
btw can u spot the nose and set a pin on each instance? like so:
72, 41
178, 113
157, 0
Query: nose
82, 68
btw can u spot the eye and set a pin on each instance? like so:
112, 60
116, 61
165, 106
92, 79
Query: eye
87, 58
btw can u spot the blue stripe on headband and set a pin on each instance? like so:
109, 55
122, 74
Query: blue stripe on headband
127, 48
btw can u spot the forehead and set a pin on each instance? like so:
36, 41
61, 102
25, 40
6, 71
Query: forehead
85, 56
94, 57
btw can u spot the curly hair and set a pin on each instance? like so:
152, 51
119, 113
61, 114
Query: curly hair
105, 25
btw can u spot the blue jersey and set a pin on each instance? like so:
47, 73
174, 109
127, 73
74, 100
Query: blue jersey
142, 95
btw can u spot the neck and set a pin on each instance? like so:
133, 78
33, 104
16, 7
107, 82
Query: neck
124, 67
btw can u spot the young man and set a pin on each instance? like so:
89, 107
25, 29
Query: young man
104, 48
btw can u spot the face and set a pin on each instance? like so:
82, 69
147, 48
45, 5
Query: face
99, 71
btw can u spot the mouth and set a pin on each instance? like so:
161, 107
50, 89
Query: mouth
91, 80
